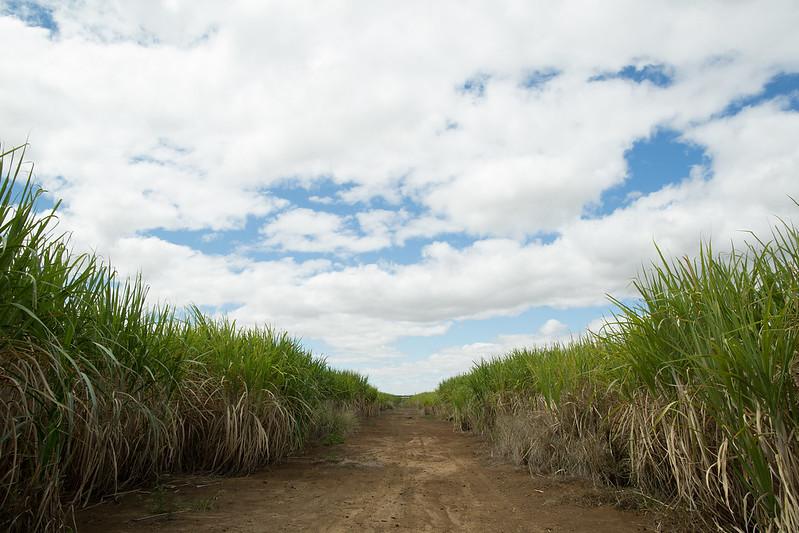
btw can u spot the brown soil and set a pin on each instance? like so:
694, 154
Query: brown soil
400, 472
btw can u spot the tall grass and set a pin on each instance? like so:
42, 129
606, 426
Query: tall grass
99, 391
692, 395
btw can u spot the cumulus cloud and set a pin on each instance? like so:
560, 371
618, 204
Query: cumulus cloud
306, 230
184, 116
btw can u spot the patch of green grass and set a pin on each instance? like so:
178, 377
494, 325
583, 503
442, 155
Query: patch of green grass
332, 439
334, 422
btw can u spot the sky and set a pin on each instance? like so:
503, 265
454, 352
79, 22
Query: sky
407, 186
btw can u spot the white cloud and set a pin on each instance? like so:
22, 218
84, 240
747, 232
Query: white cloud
306, 230
324, 200
553, 328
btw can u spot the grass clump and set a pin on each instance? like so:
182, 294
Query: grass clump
691, 395
334, 423
99, 392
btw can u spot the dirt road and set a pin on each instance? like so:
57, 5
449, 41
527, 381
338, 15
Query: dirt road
399, 472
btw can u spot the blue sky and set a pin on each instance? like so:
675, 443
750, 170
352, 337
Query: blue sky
407, 188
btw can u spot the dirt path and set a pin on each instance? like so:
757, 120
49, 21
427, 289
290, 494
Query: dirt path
399, 472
